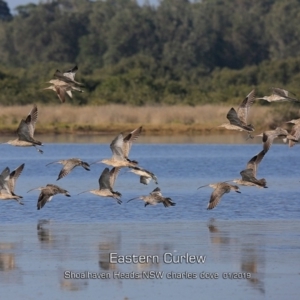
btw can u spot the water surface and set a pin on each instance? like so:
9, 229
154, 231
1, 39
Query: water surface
255, 232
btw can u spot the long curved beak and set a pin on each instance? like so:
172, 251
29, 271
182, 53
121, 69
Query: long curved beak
238, 192
133, 199
52, 163
95, 162
82, 193
35, 189
202, 186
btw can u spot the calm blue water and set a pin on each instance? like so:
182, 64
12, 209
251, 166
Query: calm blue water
255, 232
180, 170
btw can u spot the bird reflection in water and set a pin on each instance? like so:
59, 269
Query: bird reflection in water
44, 234
236, 243
113, 245
217, 236
251, 262
104, 254
9, 271
150, 250
73, 285
7, 262
107, 246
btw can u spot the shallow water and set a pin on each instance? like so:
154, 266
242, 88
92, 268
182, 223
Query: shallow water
36, 260
254, 232
180, 170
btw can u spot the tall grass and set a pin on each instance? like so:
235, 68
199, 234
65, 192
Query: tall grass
112, 117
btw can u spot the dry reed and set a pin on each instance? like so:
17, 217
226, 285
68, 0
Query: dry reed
113, 117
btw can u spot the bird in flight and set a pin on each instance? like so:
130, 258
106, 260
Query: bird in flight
154, 198
47, 193
106, 183
25, 132
69, 165
238, 119
220, 188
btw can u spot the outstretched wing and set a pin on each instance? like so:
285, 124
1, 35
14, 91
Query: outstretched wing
31, 120
113, 174
280, 92
4, 177
145, 180
216, 195
13, 176
248, 175
26, 127
296, 133
104, 182
116, 147
243, 109
129, 139
23, 131
156, 192
67, 168
283, 93
61, 93
44, 196
71, 73
67, 79
234, 119
4, 174
269, 136
255, 161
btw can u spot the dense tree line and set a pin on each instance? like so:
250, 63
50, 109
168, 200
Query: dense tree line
176, 52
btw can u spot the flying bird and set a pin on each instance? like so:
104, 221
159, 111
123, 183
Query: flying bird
106, 183
249, 174
238, 119
278, 95
154, 198
62, 88
7, 184
248, 178
120, 148
295, 132
145, 175
69, 165
47, 193
25, 132
64, 84
220, 188
68, 76
13, 176
269, 136
4, 176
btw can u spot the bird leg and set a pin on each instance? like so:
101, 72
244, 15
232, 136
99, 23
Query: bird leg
119, 201
249, 136
19, 201
39, 150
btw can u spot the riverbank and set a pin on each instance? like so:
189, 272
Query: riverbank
156, 120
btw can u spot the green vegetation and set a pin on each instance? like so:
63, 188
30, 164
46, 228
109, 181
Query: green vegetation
209, 51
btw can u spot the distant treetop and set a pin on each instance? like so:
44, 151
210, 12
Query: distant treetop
4, 11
